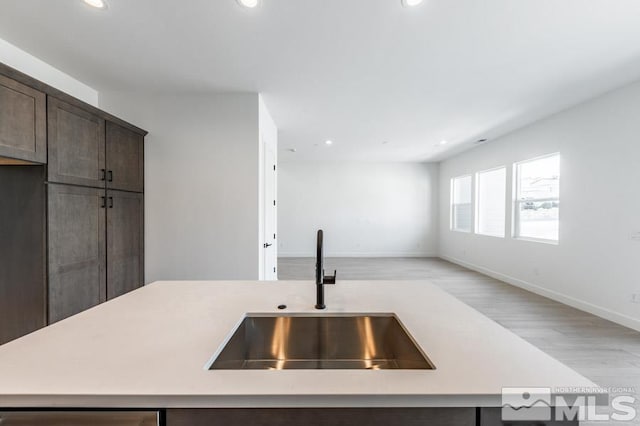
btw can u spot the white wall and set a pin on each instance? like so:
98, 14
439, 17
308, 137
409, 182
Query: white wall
22, 61
201, 183
596, 265
365, 209
203, 173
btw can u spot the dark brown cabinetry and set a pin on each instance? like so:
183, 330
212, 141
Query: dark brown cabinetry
322, 416
77, 257
80, 417
125, 245
22, 251
23, 133
95, 247
125, 159
72, 229
373, 416
76, 140
85, 149
96, 232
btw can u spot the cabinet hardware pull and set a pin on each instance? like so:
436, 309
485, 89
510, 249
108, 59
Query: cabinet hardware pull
110, 202
104, 202
110, 175
104, 174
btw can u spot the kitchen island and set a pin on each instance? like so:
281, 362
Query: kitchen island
151, 349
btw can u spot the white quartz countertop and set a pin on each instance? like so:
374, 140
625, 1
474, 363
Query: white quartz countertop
149, 349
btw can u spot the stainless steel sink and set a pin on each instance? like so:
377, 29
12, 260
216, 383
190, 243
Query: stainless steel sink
277, 342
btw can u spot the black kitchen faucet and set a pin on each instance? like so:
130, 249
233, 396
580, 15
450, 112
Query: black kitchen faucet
321, 278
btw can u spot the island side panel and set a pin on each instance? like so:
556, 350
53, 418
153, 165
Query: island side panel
322, 416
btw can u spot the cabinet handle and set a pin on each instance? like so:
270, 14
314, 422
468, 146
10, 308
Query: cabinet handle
104, 174
104, 202
110, 175
110, 202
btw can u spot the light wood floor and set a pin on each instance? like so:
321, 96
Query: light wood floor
606, 353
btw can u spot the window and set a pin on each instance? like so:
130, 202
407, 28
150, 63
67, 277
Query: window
461, 204
537, 206
491, 196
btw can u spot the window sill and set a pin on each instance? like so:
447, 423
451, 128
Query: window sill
538, 240
490, 235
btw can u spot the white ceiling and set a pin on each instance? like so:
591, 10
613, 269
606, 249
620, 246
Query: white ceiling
358, 72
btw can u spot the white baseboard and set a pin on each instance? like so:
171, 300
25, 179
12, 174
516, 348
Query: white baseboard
605, 313
358, 254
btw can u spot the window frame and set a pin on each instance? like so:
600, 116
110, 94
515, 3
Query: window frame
452, 205
477, 201
517, 201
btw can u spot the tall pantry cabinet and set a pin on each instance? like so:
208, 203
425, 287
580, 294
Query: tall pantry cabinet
96, 207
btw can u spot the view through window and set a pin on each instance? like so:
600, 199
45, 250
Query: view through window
492, 187
461, 208
537, 205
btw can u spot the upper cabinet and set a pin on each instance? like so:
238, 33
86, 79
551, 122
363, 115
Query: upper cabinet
76, 145
23, 132
125, 159
87, 150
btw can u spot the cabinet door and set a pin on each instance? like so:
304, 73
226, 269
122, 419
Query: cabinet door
23, 131
77, 258
79, 418
125, 242
125, 159
429, 416
76, 145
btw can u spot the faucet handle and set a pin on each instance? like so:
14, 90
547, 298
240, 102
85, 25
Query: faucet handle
329, 279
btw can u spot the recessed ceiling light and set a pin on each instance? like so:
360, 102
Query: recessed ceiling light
329, 142
98, 4
249, 3
444, 142
411, 3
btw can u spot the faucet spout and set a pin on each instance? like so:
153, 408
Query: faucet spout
321, 278
319, 257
